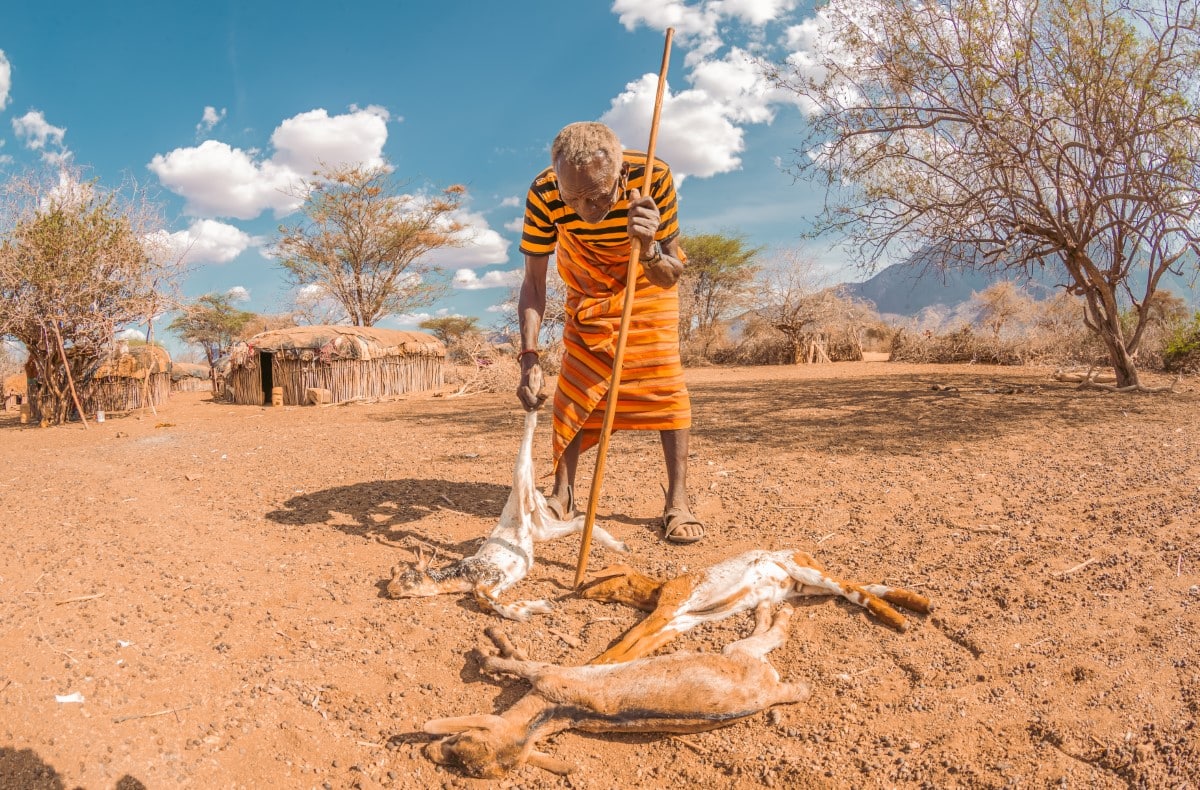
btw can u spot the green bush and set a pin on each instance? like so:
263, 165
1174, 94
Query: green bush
1182, 351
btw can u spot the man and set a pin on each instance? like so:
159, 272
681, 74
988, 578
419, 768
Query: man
585, 210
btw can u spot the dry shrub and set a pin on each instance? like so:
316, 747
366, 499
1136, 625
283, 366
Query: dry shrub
771, 347
759, 348
961, 346
475, 365
703, 346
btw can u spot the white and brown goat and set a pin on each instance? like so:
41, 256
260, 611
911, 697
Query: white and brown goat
680, 692
751, 581
506, 555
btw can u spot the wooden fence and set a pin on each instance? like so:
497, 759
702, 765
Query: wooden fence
345, 379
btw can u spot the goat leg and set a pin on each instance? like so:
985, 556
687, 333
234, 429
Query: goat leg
504, 644
907, 599
628, 587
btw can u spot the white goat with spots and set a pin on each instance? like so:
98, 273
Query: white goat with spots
506, 556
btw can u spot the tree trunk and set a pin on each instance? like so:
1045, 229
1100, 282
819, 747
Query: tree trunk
1123, 363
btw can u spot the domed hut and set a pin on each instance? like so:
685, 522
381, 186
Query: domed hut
190, 377
334, 364
13, 391
138, 377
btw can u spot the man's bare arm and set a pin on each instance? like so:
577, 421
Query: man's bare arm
531, 308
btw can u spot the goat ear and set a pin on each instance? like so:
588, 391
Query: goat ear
395, 572
551, 764
455, 724
609, 571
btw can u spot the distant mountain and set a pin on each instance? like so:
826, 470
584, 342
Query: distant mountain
906, 289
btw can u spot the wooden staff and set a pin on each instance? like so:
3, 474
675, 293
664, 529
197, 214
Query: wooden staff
635, 253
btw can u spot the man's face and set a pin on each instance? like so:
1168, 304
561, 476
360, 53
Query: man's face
592, 189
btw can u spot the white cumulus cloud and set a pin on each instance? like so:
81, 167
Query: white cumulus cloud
756, 12
702, 130
238, 293
688, 20
218, 180
314, 139
736, 84
413, 320
468, 280
481, 245
211, 117
206, 241
5, 79
37, 133
695, 133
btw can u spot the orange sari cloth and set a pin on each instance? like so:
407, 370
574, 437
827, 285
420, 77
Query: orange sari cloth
652, 394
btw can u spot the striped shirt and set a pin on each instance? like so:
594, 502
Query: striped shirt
547, 216
593, 260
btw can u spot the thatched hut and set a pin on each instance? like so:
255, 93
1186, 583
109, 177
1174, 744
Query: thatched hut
190, 377
138, 378
12, 390
343, 362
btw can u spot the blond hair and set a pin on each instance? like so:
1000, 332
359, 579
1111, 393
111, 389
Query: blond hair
579, 143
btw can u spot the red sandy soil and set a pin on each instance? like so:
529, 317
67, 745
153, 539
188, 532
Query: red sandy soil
210, 580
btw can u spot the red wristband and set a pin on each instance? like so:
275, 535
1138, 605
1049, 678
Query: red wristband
533, 351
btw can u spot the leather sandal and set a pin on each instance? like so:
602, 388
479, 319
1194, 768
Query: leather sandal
673, 522
561, 511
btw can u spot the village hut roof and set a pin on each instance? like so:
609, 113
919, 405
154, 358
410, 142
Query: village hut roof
188, 370
340, 342
136, 363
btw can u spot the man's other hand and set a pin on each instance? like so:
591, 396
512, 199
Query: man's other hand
533, 382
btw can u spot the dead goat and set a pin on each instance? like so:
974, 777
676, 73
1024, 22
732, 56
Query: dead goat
748, 581
680, 692
506, 555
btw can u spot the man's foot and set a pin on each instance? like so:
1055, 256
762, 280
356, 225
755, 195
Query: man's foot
680, 526
563, 511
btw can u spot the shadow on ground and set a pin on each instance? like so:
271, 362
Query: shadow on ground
23, 769
887, 414
382, 507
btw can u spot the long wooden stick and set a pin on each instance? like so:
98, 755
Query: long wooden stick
635, 253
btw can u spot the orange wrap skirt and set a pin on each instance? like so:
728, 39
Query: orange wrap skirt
652, 394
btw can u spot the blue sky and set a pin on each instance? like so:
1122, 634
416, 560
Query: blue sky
219, 106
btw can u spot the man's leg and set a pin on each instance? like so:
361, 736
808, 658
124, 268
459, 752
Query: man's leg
675, 452
564, 474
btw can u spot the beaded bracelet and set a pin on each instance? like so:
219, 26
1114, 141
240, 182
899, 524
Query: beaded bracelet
533, 351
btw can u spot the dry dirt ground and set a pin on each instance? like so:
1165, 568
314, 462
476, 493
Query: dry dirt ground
209, 581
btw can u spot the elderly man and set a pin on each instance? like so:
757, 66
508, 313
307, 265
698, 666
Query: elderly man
584, 210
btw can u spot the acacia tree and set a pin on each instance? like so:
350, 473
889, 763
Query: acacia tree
213, 323
451, 328
1000, 304
718, 278
78, 263
312, 305
1016, 134
365, 244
